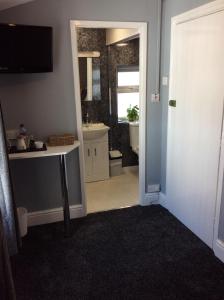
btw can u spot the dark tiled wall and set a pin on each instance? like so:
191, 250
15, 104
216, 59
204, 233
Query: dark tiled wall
95, 40
110, 58
128, 55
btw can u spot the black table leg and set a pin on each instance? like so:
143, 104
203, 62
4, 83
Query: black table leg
64, 186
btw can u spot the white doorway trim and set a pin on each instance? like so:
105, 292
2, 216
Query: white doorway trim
142, 30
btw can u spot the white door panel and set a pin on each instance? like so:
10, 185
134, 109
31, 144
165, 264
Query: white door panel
194, 129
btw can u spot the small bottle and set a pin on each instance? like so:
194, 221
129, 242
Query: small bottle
32, 143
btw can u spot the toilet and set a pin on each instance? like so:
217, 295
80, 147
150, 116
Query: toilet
134, 136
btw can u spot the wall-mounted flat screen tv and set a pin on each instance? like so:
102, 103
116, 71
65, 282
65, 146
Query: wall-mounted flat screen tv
25, 49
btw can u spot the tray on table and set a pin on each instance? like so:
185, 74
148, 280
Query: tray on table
13, 149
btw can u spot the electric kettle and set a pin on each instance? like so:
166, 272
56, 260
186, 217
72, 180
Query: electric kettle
21, 143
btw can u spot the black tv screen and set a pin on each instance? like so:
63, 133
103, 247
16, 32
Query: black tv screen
25, 49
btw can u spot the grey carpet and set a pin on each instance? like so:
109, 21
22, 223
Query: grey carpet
133, 253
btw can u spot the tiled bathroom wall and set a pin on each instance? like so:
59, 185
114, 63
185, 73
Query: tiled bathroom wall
98, 110
95, 40
127, 55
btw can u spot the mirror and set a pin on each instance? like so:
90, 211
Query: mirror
89, 74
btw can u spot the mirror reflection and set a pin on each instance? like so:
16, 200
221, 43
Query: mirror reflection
89, 72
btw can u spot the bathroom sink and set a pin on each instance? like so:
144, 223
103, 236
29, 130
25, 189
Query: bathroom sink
94, 131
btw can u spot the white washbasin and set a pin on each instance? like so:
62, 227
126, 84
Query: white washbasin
94, 131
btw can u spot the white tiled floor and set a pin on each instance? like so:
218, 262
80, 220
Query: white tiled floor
117, 192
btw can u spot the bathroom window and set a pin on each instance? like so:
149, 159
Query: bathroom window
127, 89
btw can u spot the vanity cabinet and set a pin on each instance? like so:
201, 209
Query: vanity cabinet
96, 159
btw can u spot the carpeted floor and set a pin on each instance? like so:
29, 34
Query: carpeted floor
134, 253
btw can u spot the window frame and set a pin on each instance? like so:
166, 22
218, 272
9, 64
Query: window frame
125, 89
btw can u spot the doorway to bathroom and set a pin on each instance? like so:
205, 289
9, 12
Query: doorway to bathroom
110, 94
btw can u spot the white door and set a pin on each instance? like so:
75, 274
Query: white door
195, 125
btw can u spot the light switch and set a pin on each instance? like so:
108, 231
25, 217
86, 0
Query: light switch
155, 98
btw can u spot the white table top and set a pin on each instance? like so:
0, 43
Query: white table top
51, 151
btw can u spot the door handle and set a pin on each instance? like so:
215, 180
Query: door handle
173, 103
95, 152
88, 152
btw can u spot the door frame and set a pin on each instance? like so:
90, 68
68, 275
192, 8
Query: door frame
142, 30
204, 10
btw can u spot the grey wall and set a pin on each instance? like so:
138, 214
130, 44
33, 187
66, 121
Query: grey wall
45, 102
37, 182
170, 8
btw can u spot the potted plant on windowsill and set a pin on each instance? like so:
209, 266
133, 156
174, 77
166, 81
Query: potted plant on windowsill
133, 114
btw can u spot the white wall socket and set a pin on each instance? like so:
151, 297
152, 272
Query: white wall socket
165, 80
154, 188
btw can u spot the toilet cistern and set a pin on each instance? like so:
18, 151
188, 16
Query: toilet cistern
134, 136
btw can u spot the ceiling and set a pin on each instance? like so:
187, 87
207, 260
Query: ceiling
4, 4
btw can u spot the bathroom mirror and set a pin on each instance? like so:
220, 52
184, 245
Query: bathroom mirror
89, 74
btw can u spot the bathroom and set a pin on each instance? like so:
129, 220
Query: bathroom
109, 94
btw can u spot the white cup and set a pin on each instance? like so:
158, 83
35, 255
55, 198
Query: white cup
39, 144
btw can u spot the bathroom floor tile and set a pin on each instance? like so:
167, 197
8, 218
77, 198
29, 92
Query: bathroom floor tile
117, 192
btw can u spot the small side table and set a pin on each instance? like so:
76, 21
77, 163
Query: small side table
61, 152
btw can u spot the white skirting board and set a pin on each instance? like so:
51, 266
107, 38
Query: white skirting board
219, 249
53, 215
163, 200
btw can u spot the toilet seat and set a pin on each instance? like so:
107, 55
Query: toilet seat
136, 150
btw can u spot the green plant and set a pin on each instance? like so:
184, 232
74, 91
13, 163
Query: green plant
133, 113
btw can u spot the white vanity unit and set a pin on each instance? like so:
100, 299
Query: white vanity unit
95, 138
